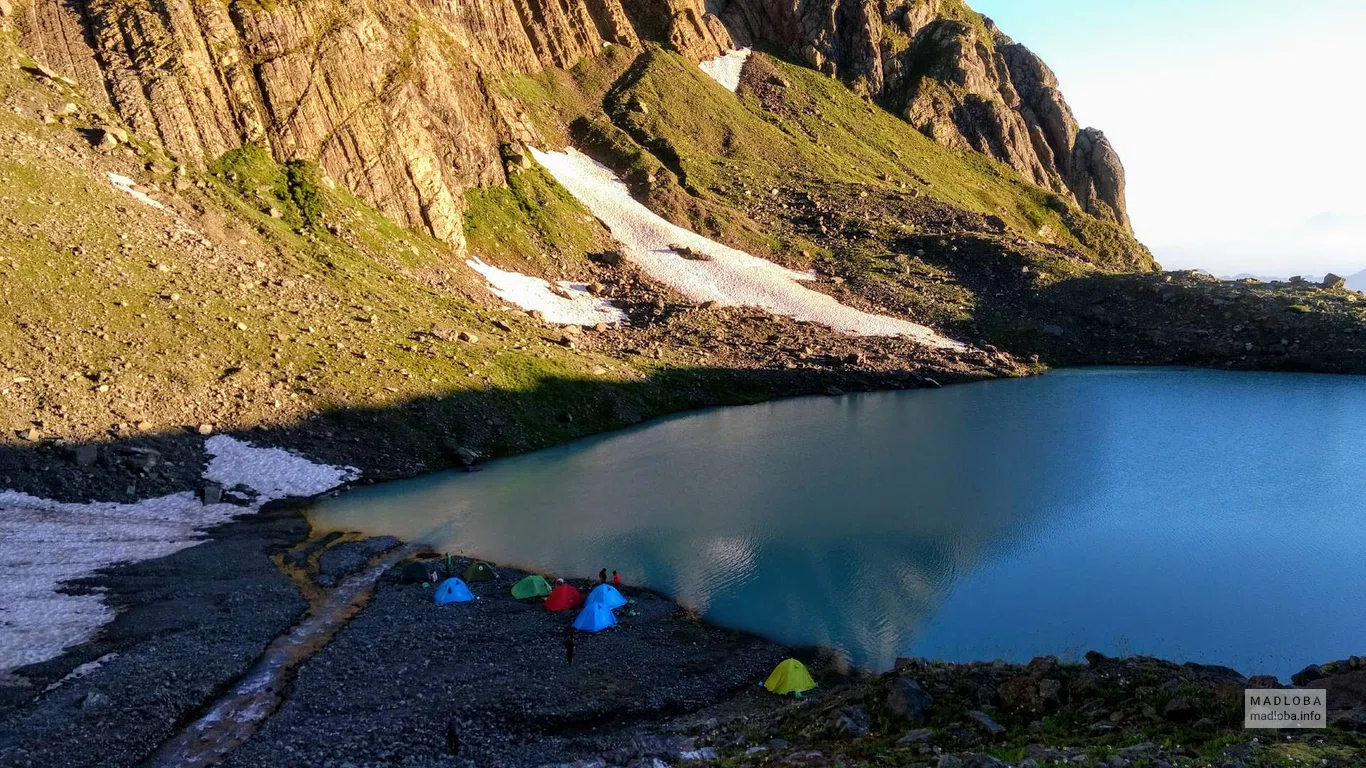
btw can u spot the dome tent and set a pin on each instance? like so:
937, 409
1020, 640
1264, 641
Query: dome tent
607, 595
453, 590
563, 598
531, 586
595, 617
479, 571
790, 676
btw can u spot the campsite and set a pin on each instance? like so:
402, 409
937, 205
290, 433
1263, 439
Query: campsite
496, 664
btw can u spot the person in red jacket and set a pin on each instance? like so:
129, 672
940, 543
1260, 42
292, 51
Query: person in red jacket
616, 578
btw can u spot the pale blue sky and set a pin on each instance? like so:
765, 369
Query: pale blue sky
1241, 124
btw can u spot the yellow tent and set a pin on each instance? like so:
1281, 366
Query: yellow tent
790, 676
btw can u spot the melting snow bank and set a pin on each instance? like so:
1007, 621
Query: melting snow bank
571, 304
725, 69
729, 277
45, 543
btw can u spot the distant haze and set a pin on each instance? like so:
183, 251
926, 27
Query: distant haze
1237, 121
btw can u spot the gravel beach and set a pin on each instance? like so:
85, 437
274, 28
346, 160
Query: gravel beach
188, 625
384, 690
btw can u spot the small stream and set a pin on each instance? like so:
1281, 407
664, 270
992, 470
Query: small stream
237, 715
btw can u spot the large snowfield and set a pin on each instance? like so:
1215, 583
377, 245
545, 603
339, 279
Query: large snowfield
45, 543
729, 277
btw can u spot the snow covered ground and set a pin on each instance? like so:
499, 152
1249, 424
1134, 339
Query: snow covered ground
728, 277
575, 306
725, 69
45, 543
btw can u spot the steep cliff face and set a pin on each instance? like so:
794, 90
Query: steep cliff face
392, 98
954, 76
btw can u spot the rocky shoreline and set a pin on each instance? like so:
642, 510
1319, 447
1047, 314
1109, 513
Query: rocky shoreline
662, 689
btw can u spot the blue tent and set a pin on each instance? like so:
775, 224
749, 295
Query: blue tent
453, 590
607, 595
595, 617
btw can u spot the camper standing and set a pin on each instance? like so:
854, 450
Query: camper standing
569, 648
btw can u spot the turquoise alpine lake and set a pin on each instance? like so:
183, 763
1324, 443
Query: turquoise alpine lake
1204, 516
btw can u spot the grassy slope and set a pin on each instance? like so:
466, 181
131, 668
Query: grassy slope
952, 239
723, 146
114, 316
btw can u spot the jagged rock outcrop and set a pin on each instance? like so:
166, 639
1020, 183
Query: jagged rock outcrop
393, 98
953, 75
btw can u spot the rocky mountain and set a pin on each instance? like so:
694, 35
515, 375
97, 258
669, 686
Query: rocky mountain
956, 77
312, 222
398, 101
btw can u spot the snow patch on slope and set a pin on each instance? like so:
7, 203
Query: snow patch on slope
725, 69
573, 305
45, 543
125, 184
729, 277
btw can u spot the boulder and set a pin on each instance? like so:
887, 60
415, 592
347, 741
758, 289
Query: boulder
1333, 282
983, 720
83, 455
106, 140
611, 258
1029, 695
463, 454
851, 722
908, 701
918, 736
94, 701
689, 253
212, 494
1180, 710
1307, 675
136, 459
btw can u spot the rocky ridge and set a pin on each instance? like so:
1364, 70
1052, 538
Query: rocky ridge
954, 76
399, 102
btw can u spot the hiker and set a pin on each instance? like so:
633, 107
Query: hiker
569, 648
616, 578
602, 576
558, 582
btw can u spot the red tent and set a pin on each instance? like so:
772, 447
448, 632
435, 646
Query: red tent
563, 598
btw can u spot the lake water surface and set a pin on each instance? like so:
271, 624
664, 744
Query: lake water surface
1195, 515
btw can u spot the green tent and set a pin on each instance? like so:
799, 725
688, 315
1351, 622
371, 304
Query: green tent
790, 676
531, 586
478, 571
